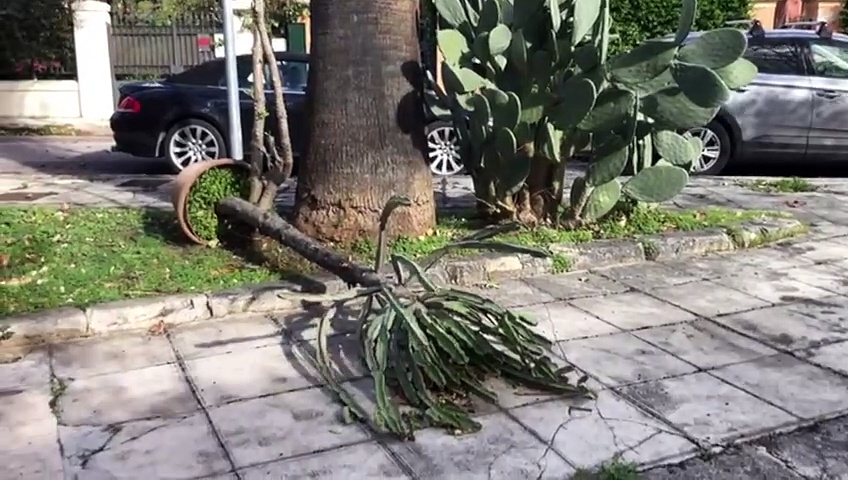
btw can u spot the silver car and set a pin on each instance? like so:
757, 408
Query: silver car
795, 110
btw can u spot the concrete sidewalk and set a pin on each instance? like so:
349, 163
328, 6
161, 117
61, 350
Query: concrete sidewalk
826, 205
685, 357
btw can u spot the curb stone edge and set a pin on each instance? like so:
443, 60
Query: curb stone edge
36, 328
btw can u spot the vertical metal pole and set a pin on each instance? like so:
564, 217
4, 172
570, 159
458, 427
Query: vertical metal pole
174, 67
233, 107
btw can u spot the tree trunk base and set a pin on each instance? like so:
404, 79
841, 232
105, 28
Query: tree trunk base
272, 225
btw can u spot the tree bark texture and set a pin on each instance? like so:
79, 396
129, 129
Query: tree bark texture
366, 125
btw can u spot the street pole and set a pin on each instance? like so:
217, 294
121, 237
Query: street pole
233, 107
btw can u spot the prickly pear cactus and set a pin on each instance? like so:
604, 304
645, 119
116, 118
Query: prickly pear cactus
528, 82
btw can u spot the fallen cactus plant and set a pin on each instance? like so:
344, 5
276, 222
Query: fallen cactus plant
425, 346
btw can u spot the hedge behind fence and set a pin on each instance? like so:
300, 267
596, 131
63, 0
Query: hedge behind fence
638, 20
36, 39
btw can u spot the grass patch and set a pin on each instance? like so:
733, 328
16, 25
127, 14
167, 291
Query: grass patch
82, 256
783, 185
50, 257
616, 470
38, 130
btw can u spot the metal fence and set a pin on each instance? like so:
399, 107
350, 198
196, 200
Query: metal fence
142, 50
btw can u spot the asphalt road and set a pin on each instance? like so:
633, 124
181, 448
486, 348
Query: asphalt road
71, 156
91, 156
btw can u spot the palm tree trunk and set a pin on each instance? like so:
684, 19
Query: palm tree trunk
366, 122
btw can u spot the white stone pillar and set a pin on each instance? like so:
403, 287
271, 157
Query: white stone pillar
94, 64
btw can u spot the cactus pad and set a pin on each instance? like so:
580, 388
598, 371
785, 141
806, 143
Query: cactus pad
576, 99
549, 143
675, 148
452, 11
703, 86
490, 15
611, 107
608, 162
481, 111
687, 19
518, 51
461, 80
672, 110
453, 45
602, 199
643, 63
715, 48
586, 13
499, 39
656, 184
737, 74
587, 57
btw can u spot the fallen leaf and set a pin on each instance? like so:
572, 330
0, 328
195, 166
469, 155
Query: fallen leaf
17, 281
4, 260
159, 328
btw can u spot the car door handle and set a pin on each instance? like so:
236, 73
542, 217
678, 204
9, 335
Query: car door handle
827, 94
742, 89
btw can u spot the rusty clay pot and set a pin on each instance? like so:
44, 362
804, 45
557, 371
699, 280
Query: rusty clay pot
182, 188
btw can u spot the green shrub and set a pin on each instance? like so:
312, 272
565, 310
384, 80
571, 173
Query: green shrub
635, 21
36, 40
212, 187
843, 17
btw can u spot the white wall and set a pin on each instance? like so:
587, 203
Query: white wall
41, 99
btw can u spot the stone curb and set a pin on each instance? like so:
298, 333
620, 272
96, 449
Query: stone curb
145, 313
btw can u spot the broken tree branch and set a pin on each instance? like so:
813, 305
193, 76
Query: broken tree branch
272, 225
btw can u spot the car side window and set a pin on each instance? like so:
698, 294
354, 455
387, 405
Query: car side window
244, 73
295, 75
830, 59
776, 57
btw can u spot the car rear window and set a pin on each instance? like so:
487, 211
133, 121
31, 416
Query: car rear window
209, 73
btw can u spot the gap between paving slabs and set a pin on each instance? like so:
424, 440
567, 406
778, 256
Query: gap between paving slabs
146, 313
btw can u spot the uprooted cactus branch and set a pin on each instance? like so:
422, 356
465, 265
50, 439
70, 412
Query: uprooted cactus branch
528, 84
431, 347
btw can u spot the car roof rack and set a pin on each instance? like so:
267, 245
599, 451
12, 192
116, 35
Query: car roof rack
755, 27
821, 27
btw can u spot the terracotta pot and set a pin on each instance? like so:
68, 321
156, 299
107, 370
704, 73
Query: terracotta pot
182, 187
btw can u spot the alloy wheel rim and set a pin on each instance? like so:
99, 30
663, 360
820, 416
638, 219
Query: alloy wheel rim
192, 144
711, 151
443, 151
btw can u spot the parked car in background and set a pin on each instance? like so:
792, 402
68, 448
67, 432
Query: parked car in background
795, 110
183, 118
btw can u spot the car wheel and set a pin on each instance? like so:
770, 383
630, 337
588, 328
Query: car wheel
717, 149
191, 141
443, 149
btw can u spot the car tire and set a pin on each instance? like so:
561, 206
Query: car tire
192, 140
717, 148
443, 152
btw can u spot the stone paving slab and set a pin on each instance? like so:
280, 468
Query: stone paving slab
816, 452
679, 366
